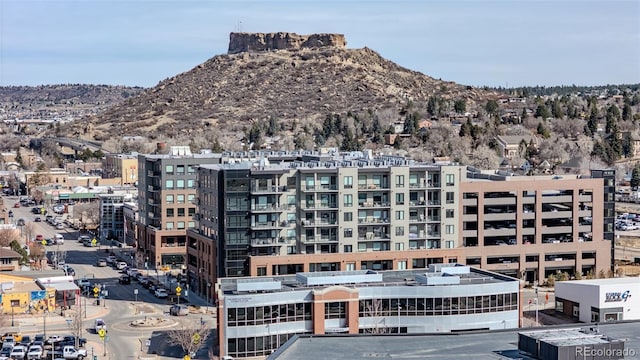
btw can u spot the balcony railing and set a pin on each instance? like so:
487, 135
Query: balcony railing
268, 189
270, 207
374, 236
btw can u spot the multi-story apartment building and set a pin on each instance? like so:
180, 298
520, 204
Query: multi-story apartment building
112, 222
330, 212
167, 204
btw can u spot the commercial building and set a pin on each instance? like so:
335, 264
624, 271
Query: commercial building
599, 300
112, 214
284, 213
167, 204
257, 315
121, 166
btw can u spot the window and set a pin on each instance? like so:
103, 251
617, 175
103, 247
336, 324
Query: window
449, 229
399, 230
450, 197
168, 169
310, 181
348, 232
362, 246
348, 216
180, 170
191, 184
400, 199
191, 198
169, 199
348, 182
450, 213
449, 244
180, 184
180, 225
400, 215
402, 265
170, 212
400, 246
180, 211
348, 248
168, 184
191, 224
169, 225
180, 198
399, 180
347, 199
450, 179
291, 200
191, 169
559, 306
192, 211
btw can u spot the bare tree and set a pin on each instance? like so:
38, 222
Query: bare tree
7, 236
189, 339
75, 325
37, 254
29, 230
373, 309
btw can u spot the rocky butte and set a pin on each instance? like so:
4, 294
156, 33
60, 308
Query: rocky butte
247, 42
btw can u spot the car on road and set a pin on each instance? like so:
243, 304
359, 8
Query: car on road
161, 293
59, 226
38, 219
125, 280
179, 310
121, 265
16, 205
99, 325
101, 262
111, 259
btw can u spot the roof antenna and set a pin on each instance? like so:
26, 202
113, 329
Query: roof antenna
239, 26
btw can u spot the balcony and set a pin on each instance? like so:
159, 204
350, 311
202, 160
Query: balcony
265, 242
372, 204
317, 239
373, 187
173, 245
267, 225
268, 189
421, 184
270, 208
417, 203
373, 220
319, 188
420, 218
310, 223
374, 236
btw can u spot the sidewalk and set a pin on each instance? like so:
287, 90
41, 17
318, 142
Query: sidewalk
34, 323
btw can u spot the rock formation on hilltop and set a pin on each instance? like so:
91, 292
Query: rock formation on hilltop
246, 42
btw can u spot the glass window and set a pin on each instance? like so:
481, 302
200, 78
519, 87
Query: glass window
348, 199
191, 198
291, 200
169, 226
450, 213
348, 216
399, 230
399, 180
191, 224
180, 211
348, 248
168, 184
168, 169
191, 169
169, 199
180, 169
362, 181
180, 184
180, 225
450, 197
449, 229
169, 212
192, 211
400, 215
191, 184
180, 198
348, 232
450, 179
400, 199
413, 180
348, 182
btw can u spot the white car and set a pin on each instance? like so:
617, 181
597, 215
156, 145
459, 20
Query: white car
18, 352
161, 293
121, 265
111, 259
35, 352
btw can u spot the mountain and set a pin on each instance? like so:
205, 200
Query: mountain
297, 79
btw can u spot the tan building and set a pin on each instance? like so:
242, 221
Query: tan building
344, 213
123, 167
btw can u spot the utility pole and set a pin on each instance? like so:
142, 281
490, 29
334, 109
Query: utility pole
537, 307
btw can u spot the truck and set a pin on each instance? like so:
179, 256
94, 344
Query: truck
68, 352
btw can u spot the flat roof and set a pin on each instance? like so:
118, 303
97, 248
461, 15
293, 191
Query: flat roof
489, 345
609, 281
364, 278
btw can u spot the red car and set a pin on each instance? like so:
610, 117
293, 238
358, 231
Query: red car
16, 205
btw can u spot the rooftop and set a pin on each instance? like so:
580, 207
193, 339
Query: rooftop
609, 281
489, 345
436, 275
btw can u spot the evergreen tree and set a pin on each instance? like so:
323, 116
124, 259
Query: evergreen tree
542, 111
543, 131
627, 145
492, 107
432, 106
627, 112
460, 106
612, 117
635, 176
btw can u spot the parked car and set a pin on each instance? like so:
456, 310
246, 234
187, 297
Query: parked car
101, 262
35, 352
5, 352
72, 340
161, 293
179, 310
18, 352
16, 205
121, 265
59, 226
38, 219
125, 280
110, 259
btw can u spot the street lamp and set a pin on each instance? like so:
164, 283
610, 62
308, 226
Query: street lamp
12, 312
44, 322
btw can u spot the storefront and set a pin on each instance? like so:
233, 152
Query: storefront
599, 300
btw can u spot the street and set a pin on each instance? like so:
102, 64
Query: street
118, 309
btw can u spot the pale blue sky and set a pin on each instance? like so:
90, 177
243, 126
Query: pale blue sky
473, 42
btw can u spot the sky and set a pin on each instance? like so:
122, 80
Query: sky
506, 43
